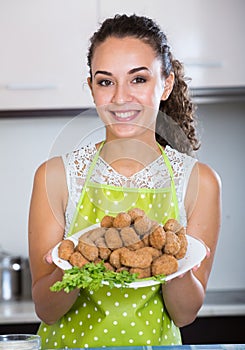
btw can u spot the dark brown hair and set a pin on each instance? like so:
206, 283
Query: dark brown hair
175, 122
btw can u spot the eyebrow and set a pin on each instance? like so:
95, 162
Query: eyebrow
132, 71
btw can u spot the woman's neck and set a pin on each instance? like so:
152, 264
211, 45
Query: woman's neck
128, 156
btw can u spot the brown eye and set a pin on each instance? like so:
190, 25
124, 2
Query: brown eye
104, 82
139, 80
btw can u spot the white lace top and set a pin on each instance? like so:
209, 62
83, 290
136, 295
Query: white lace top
154, 175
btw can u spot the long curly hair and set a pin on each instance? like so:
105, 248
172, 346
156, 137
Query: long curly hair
176, 124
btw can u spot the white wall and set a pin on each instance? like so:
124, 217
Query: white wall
26, 142
223, 148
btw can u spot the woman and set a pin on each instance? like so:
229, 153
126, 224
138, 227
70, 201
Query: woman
141, 96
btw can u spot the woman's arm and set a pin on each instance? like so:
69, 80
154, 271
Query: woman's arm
46, 229
184, 296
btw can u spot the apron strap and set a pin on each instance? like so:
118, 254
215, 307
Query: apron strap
90, 170
173, 189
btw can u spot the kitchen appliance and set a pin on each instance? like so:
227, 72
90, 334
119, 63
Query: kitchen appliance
11, 273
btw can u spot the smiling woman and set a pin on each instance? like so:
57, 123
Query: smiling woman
144, 162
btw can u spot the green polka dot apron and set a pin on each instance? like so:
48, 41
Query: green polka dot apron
117, 316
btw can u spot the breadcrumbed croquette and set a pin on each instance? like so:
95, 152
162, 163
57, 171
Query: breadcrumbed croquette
113, 239
77, 259
135, 212
122, 220
157, 237
155, 253
142, 225
164, 265
172, 245
129, 236
142, 273
136, 258
66, 249
115, 257
107, 221
89, 251
97, 233
172, 225
183, 246
104, 251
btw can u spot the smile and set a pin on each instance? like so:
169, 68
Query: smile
125, 115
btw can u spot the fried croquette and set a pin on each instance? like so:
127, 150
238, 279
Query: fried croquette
183, 246
129, 236
135, 212
104, 251
77, 259
142, 225
122, 220
172, 245
164, 265
141, 273
157, 238
181, 231
145, 240
88, 250
172, 225
113, 239
136, 258
96, 233
115, 258
155, 253
107, 221
66, 249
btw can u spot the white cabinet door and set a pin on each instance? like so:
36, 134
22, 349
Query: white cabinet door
43, 53
207, 35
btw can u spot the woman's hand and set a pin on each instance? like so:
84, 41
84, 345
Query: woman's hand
184, 296
46, 229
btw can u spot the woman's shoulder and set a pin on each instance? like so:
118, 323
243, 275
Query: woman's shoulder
51, 167
208, 176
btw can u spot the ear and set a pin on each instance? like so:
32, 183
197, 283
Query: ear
89, 81
168, 86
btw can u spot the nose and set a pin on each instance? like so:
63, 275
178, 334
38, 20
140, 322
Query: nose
121, 94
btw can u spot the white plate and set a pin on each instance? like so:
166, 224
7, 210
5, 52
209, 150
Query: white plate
196, 252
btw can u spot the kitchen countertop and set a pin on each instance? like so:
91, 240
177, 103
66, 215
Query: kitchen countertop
217, 303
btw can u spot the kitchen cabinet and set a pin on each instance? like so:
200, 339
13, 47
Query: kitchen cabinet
206, 35
43, 53
215, 330
44, 47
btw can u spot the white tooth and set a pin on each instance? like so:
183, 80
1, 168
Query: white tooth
124, 114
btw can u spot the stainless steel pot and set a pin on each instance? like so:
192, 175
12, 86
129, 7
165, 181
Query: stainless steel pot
10, 276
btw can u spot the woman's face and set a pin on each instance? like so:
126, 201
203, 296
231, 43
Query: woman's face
127, 86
